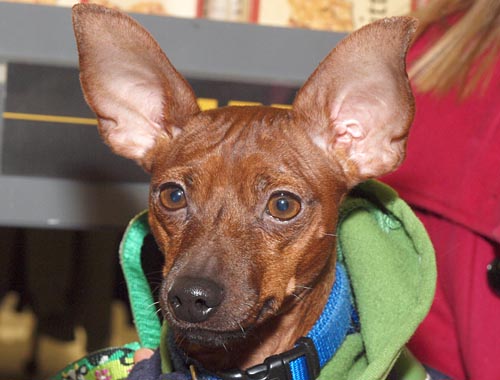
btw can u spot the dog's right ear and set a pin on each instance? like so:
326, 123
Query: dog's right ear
129, 83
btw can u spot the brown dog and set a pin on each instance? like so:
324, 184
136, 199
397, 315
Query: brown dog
245, 199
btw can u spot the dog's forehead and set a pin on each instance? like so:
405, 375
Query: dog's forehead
254, 145
237, 134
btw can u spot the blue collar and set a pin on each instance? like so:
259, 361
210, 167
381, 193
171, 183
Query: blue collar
310, 354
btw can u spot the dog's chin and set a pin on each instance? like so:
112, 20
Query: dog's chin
209, 338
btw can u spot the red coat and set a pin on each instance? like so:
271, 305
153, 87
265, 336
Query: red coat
452, 177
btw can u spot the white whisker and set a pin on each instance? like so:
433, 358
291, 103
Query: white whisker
154, 304
241, 328
304, 287
297, 296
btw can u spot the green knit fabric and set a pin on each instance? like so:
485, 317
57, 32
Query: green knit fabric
146, 321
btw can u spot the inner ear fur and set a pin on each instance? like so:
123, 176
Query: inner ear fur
358, 104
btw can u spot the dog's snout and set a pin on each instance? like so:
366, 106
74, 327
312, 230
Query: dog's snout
194, 300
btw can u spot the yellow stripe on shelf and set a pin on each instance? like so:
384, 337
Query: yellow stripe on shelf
241, 103
207, 103
49, 118
204, 103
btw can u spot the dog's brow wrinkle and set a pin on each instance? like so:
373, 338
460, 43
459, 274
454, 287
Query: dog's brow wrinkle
233, 131
219, 215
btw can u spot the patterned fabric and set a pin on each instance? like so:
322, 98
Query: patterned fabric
107, 364
150, 369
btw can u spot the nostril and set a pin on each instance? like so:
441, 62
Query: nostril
200, 304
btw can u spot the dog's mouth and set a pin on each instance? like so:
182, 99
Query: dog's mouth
229, 331
209, 338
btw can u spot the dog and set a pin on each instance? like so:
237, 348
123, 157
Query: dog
245, 199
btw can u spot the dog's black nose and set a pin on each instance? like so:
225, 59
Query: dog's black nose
194, 300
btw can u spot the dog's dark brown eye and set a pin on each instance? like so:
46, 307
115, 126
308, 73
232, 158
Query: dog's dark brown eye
172, 197
283, 206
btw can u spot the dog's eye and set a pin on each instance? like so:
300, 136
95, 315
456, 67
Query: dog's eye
172, 197
283, 206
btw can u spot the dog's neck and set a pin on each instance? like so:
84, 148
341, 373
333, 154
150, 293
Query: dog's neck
277, 335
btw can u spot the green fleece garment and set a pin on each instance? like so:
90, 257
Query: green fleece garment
390, 262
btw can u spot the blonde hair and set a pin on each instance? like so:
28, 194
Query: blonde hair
463, 57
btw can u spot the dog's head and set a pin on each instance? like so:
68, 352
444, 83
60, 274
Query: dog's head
244, 200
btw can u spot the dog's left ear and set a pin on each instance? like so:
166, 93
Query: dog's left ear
358, 105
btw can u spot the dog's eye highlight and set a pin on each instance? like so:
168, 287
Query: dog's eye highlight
283, 206
172, 197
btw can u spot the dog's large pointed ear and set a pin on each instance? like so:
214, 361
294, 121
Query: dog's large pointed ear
129, 83
358, 105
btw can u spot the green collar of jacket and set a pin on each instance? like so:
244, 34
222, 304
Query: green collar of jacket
390, 262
